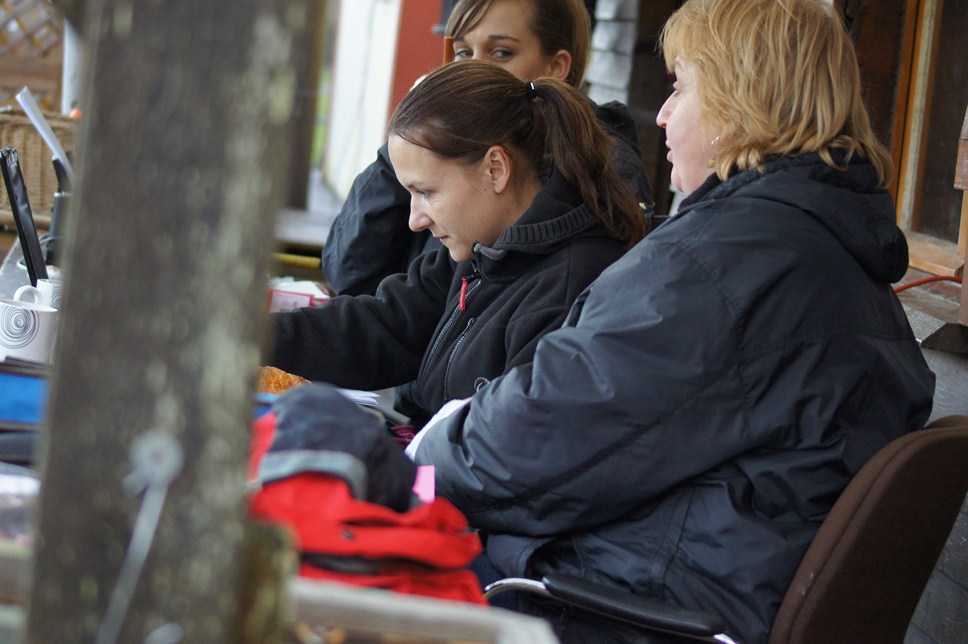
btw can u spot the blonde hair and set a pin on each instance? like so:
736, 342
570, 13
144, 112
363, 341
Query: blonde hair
776, 78
558, 24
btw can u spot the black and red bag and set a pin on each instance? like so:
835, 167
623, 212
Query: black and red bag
333, 475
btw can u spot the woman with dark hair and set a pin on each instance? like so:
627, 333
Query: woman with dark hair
370, 239
686, 431
517, 182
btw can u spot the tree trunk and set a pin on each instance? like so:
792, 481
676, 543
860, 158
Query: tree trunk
180, 162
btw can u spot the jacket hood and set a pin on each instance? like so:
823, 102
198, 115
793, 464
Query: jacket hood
848, 203
618, 121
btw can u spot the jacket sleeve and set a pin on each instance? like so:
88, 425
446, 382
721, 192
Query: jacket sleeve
370, 238
366, 341
603, 420
524, 332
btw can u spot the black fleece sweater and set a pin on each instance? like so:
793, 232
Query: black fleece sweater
419, 326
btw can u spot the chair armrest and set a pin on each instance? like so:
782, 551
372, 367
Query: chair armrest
635, 609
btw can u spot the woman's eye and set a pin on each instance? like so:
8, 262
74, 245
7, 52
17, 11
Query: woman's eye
463, 54
502, 54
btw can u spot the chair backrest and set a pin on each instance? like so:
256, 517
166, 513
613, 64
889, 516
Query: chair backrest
863, 574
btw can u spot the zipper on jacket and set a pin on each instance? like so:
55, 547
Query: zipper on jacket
453, 356
468, 286
462, 302
465, 282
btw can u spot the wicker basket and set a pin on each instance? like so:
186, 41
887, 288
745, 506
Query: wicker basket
17, 131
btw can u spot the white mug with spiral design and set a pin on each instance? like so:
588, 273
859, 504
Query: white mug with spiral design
27, 331
47, 292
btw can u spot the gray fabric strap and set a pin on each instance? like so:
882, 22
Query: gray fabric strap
280, 465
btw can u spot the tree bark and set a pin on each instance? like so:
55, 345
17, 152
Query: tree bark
180, 160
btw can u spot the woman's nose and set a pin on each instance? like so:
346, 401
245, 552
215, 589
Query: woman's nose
662, 118
418, 220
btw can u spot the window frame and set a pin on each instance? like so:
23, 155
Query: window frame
916, 72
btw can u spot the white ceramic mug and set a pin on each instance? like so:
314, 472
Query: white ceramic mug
47, 292
27, 330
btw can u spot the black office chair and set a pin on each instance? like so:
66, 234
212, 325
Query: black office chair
862, 576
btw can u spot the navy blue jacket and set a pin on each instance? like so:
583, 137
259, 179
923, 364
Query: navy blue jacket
710, 395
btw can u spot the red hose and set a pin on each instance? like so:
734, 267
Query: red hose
933, 278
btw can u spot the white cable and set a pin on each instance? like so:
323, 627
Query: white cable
157, 459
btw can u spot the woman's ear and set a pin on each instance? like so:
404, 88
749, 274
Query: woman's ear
498, 166
560, 65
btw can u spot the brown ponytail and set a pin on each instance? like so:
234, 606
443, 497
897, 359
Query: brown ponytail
463, 108
582, 152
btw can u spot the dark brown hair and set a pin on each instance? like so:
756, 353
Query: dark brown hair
558, 24
463, 108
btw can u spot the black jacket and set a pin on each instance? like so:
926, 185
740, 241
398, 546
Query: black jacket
415, 328
370, 238
710, 395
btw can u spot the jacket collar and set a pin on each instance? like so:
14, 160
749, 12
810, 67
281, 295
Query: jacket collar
556, 214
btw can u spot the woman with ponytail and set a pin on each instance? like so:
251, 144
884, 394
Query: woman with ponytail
517, 181
531, 39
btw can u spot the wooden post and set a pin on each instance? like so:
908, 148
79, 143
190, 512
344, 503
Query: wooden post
961, 183
308, 65
181, 160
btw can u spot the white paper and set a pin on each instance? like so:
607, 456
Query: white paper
283, 301
447, 410
19, 485
291, 295
36, 116
360, 397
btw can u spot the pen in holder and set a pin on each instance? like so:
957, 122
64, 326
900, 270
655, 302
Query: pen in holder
61, 201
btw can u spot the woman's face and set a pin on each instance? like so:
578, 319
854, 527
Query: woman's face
690, 150
458, 204
503, 36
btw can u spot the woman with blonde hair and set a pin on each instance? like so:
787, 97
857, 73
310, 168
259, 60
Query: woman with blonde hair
791, 99
686, 431
370, 238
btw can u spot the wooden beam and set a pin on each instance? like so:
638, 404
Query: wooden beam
934, 255
375, 615
308, 67
961, 183
961, 166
